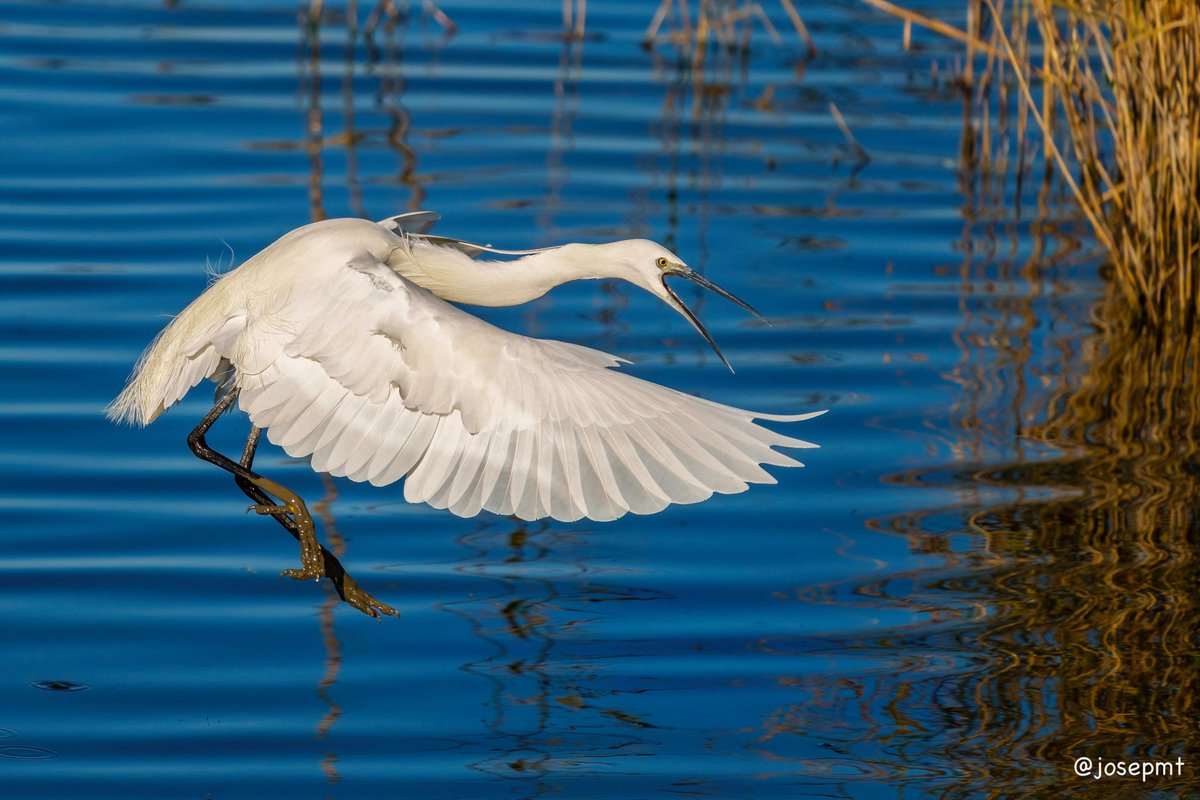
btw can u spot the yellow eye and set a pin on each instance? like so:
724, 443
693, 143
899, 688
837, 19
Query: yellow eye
662, 262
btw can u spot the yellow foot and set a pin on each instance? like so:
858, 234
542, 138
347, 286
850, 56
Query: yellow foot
269, 510
312, 562
309, 574
363, 601
315, 561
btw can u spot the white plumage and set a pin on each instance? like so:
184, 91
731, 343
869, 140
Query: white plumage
342, 350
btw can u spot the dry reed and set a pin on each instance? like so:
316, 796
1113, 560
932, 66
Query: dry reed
1113, 87
1126, 77
722, 21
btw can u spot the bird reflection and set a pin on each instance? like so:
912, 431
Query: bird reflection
539, 687
333, 648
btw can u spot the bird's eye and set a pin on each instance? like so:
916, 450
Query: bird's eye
662, 262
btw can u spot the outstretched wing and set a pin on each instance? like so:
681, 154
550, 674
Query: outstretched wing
376, 378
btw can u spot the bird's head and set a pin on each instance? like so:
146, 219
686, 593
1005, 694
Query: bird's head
650, 265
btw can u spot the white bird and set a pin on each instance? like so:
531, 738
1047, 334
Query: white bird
340, 341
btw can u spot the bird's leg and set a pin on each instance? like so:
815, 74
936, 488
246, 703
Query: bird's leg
261, 490
292, 514
262, 501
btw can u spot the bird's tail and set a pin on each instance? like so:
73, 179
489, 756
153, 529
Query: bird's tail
181, 356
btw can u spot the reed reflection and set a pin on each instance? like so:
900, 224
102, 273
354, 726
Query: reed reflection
1061, 617
376, 50
1093, 613
1085, 568
1068, 582
315, 141
333, 647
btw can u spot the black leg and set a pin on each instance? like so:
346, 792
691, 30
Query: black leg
291, 513
260, 498
200, 447
251, 447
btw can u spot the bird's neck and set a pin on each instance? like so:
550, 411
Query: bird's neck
455, 276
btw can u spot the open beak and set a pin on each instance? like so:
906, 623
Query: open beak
695, 277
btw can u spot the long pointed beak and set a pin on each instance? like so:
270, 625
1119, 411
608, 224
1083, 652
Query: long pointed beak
697, 278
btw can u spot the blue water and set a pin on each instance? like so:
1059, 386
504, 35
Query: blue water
822, 637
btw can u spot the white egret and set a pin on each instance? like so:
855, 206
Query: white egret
340, 341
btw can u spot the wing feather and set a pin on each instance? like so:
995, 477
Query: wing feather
355, 443
339, 426
466, 472
392, 442
522, 471
569, 494
415, 445
603, 495
390, 411
709, 470
639, 475
293, 437
470, 501
546, 477
496, 478
676, 480
435, 468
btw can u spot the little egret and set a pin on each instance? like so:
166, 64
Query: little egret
340, 341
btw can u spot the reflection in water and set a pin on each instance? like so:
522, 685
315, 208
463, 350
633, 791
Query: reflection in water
1056, 621
314, 121
381, 60
1054, 614
561, 139
1093, 623
541, 686
722, 24
1082, 561
1063, 619
391, 89
333, 648
315, 141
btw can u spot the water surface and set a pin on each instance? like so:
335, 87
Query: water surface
941, 604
